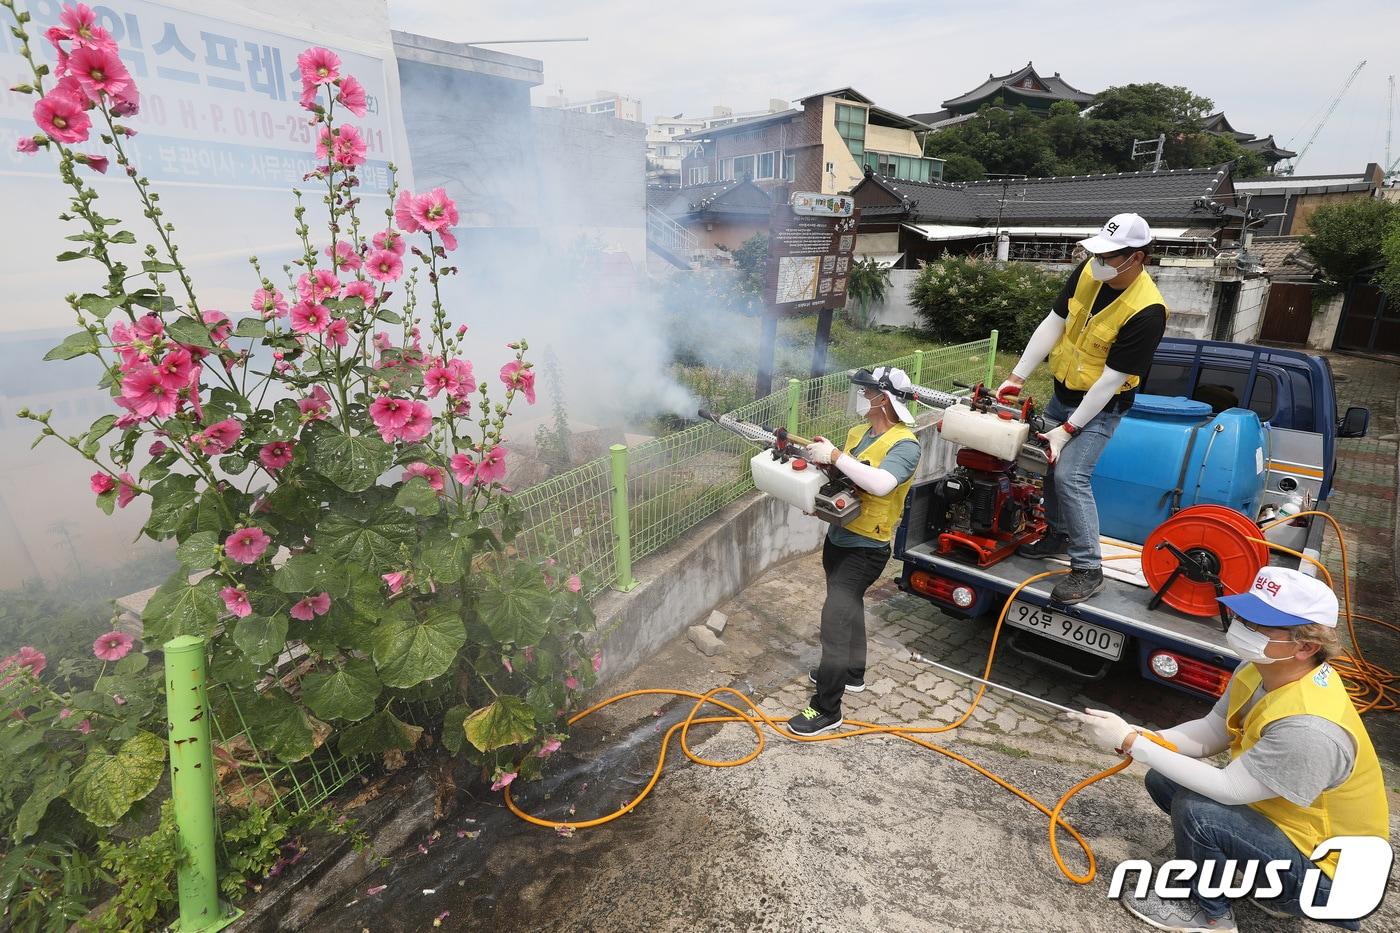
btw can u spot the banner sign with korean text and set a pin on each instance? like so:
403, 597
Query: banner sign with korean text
809, 258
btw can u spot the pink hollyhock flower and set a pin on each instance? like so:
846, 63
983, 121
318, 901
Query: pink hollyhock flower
101, 483
126, 490
360, 289
392, 240
26, 144
276, 455
382, 341
505, 662
403, 211
516, 375
308, 318
80, 24
98, 163
503, 780
99, 71
62, 116
269, 303
549, 747
148, 394
383, 265
529, 654
112, 647
394, 581
342, 145
449, 239
220, 327
390, 414
352, 96
218, 438
316, 406
148, 327
343, 252
127, 104
85, 726
157, 448
312, 606
419, 424
574, 584
176, 369
571, 682
317, 286
463, 468
309, 93
434, 210
236, 601
64, 714
462, 407
438, 378
597, 655
29, 657
318, 66
337, 332
430, 473
461, 372
246, 545
493, 465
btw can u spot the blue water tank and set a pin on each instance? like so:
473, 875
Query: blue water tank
1165, 442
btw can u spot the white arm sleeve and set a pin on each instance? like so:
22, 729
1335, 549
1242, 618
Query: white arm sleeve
1098, 395
873, 480
1199, 738
1231, 785
1040, 345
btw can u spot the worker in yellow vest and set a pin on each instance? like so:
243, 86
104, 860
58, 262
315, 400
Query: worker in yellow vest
880, 456
1302, 768
1100, 337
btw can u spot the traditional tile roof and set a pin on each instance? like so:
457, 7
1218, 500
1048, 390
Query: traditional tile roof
1283, 256
1056, 88
720, 197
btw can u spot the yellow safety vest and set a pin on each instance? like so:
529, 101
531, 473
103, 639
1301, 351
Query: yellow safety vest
1079, 356
879, 514
1356, 807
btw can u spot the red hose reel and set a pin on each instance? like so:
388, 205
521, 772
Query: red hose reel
1201, 553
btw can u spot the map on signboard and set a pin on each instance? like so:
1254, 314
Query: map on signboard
797, 278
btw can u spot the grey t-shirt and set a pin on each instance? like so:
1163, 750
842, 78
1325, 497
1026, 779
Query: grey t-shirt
900, 462
1296, 757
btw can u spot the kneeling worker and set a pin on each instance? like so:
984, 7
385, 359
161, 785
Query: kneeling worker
880, 457
1302, 768
1100, 336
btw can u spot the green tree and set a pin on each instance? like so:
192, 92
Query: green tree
1350, 237
752, 259
867, 286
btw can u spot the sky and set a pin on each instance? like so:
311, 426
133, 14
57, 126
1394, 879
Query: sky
1274, 67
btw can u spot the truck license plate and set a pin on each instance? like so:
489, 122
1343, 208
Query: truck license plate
1096, 639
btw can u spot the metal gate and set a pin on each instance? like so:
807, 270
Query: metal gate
1370, 321
1288, 315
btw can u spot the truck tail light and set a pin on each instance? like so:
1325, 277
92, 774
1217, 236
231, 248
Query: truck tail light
1188, 672
946, 591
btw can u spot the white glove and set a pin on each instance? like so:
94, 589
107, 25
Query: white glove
1106, 730
823, 451
1057, 438
1009, 389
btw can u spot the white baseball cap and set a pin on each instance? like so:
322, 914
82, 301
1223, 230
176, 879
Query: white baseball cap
886, 378
1122, 231
1282, 597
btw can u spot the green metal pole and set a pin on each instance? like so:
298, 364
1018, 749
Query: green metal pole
192, 785
622, 522
918, 379
794, 405
992, 360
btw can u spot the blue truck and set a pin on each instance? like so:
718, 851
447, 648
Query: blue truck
1289, 397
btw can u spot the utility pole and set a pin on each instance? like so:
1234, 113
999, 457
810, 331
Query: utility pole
1144, 147
1389, 120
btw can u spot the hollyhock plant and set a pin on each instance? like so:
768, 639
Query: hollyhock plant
328, 459
113, 646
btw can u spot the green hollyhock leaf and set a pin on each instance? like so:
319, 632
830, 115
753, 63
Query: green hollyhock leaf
106, 786
453, 733
408, 652
199, 551
516, 604
446, 550
182, 608
367, 533
189, 332
417, 495
280, 726
380, 733
351, 461
508, 721
48, 787
98, 305
311, 573
261, 638
74, 345
348, 693
232, 668
171, 500
250, 327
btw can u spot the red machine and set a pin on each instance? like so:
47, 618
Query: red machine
983, 510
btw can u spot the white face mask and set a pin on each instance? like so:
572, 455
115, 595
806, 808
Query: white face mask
1249, 644
862, 404
1103, 272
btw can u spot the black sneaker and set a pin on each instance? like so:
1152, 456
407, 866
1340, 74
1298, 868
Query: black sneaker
811, 722
1077, 587
852, 686
1050, 545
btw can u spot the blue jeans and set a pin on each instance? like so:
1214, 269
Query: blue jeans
1205, 829
1069, 497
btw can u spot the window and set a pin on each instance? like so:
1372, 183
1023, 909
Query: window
1220, 387
850, 123
765, 164
606, 106
905, 167
671, 130
743, 165
790, 167
725, 167
700, 176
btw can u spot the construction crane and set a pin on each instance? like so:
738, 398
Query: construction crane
1389, 125
1331, 108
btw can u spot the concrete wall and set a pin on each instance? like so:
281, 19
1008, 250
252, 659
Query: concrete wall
897, 310
1249, 310
1324, 323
